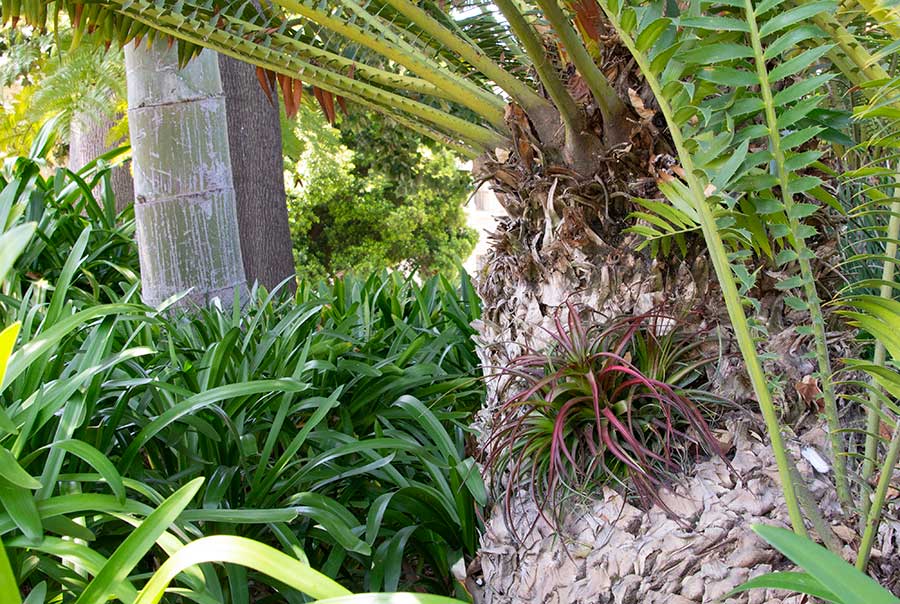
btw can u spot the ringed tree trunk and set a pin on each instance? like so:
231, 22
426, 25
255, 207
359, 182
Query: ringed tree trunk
88, 138
187, 228
257, 163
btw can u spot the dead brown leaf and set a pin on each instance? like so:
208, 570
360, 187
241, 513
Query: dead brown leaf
845, 534
884, 431
506, 178
810, 393
579, 90
639, 107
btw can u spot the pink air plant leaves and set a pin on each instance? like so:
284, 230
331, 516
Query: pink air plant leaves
599, 408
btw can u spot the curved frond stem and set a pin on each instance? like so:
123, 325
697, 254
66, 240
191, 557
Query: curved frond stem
847, 67
326, 58
611, 106
719, 257
851, 48
517, 89
838, 453
866, 69
534, 48
208, 36
457, 87
467, 151
873, 518
400, 38
885, 16
872, 506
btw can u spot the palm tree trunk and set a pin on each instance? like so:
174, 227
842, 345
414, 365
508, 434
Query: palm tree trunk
254, 135
563, 242
88, 138
187, 228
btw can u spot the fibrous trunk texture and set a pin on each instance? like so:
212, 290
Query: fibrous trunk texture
565, 241
89, 138
187, 228
257, 163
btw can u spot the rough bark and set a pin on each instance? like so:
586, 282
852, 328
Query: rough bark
610, 552
88, 136
257, 163
187, 229
565, 241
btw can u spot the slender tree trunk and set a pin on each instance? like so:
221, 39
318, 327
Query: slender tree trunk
87, 139
187, 229
254, 134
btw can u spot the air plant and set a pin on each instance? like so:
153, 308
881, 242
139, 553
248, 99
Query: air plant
606, 404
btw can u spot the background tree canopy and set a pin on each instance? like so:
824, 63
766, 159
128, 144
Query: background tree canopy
370, 194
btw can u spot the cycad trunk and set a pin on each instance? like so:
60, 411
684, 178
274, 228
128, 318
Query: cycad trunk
187, 228
566, 241
257, 162
563, 242
88, 138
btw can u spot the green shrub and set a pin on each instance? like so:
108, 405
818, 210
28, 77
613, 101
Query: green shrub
353, 209
65, 210
330, 424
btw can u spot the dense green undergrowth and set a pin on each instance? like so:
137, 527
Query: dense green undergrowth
330, 424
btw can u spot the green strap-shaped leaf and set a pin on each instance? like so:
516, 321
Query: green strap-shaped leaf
9, 588
787, 581
205, 399
13, 472
97, 460
82, 555
848, 585
19, 504
338, 521
436, 431
394, 598
137, 544
12, 244
245, 552
38, 594
24, 356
